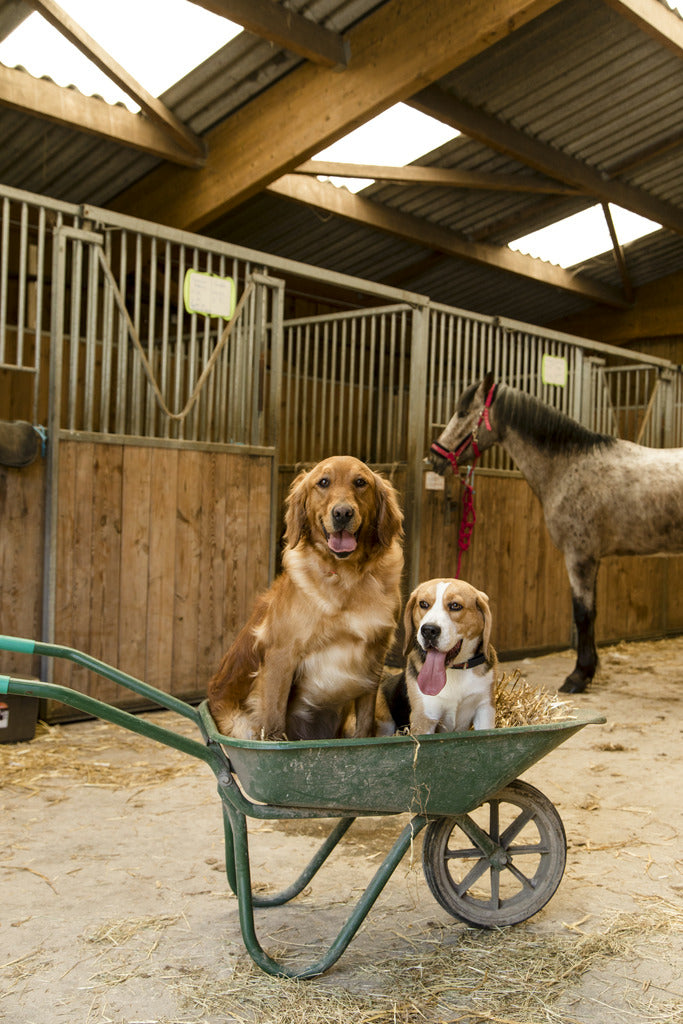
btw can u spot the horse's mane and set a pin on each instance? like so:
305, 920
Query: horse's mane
544, 426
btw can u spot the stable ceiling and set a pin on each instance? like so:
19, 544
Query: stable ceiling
562, 104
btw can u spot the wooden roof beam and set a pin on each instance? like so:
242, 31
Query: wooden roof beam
513, 142
343, 203
443, 177
655, 19
39, 96
284, 27
12, 13
150, 105
395, 51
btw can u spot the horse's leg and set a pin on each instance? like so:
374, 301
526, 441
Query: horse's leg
583, 574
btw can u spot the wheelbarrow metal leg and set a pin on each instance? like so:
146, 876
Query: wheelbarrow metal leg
317, 861
246, 900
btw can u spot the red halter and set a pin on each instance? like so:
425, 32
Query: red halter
471, 439
469, 517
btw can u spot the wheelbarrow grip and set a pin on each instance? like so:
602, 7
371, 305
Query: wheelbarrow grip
18, 644
21, 645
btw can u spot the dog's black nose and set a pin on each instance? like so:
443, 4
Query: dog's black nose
430, 632
341, 516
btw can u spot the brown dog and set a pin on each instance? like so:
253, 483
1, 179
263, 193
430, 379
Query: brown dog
450, 661
315, 644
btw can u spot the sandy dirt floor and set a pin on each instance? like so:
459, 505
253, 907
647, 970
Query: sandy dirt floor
115, 905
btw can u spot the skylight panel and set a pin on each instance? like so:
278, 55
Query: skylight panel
583, 236
157, 55
394, 138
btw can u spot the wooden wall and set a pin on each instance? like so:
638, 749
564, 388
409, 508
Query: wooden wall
159, 552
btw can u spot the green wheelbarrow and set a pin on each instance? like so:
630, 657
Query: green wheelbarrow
494, 849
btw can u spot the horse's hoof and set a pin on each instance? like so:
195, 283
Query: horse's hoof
574, 684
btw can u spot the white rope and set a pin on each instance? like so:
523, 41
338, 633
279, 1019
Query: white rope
222, 341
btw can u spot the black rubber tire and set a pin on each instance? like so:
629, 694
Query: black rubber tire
518, 879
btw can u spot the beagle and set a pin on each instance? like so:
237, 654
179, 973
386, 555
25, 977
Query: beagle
450, 663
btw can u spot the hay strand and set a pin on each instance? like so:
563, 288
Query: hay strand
512, 976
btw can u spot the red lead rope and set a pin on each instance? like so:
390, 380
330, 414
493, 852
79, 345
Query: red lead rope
469, 517
467, 520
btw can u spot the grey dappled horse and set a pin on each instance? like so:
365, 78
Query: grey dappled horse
600, 495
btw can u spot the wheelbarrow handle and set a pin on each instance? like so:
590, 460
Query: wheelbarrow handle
97, 708
166, 700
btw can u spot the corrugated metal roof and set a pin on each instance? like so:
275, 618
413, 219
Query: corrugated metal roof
582, 79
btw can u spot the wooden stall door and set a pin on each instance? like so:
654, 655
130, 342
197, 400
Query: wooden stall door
160, 553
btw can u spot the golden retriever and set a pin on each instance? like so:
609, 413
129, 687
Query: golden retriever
450, 664
314, 647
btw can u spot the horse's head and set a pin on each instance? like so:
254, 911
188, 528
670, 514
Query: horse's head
470, 430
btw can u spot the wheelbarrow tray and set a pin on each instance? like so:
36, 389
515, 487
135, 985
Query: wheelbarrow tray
443, 774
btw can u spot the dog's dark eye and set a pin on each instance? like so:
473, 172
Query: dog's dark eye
454, 607
424, 604
324, 482
360, 482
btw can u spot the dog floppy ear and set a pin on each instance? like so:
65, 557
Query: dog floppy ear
389, 515
409, 629
482, 602
295, 516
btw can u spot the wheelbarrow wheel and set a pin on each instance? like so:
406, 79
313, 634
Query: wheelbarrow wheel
499, 864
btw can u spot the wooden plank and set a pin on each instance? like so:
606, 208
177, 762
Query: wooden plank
655, 19
161, 583
105, 569
210, 622
284, 27
82, 561
153, 107
38, 96
22, 524
398, 49
442, 177
343, 203
188, 596
136, 502
258, 528
237, 608
64, 556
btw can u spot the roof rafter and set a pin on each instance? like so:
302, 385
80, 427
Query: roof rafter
432, 236
394, 52
152, 107
39, 96
12, 13
655, 19
444, 177
503, 137
285, 27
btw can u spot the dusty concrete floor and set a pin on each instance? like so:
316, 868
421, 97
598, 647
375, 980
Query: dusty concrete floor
115, 906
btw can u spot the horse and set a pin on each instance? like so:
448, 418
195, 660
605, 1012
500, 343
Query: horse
600, 495
19, 443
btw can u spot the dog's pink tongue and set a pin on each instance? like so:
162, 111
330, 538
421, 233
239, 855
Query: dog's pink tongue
342, 541
432, 676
